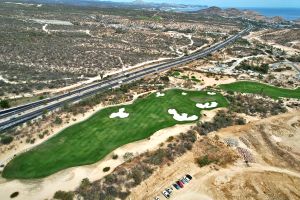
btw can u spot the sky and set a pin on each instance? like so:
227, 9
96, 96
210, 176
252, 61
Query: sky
233, 3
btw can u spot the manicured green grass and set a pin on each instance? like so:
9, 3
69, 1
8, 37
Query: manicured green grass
90, 141
175, 73
262, 89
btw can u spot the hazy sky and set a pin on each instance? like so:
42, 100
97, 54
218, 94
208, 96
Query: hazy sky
233, 3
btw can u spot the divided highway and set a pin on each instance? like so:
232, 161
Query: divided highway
15, 116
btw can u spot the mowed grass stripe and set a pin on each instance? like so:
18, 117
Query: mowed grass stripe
261, 89
90, 141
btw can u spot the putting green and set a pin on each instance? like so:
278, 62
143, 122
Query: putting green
91, 140
263, 89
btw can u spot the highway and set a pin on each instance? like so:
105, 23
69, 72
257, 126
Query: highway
13, 117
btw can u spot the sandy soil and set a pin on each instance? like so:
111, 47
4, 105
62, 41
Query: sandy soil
256, 36
211, 81
273, 174
208, 115
98, 78
205, 80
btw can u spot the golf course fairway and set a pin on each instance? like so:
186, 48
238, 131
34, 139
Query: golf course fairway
91, 140
261, 89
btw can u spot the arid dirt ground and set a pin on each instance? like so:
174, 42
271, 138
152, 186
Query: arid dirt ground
286, 39
273, 173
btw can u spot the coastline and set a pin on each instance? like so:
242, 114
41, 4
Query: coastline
286, 13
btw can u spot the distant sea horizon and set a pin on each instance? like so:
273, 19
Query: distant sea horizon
286, 13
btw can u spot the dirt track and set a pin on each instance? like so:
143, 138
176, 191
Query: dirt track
274, 174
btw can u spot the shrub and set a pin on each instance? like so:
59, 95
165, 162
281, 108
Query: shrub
85, 183
115, 156
190, 136
4, 104
111, 179
264, 68
157, 157
137, 175
120, 30
122, 171
106, 169
124, 195
147, 170
41, 135
160, 87
128, 156
170, 139
170, 156
240, 121
165, 78
180, 149
295, 58
221, 120
250, 105
203, 161
58, 120
188, 145
109, 198
6, 139
111, 191
13, 195
32, 141
62, 195
175, 73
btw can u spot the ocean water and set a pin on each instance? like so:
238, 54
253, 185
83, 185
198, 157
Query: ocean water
186, 9
286, 13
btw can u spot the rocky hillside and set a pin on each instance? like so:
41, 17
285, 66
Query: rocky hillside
259, 160
236, 13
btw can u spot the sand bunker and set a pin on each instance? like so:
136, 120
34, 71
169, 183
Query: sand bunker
181, 117
211, 93
120, 114
184, 93
207, 105
158, 94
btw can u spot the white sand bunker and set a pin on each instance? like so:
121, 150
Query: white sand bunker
183, 93
207, 105
181, 117
211, 93
158, 94
120, 114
